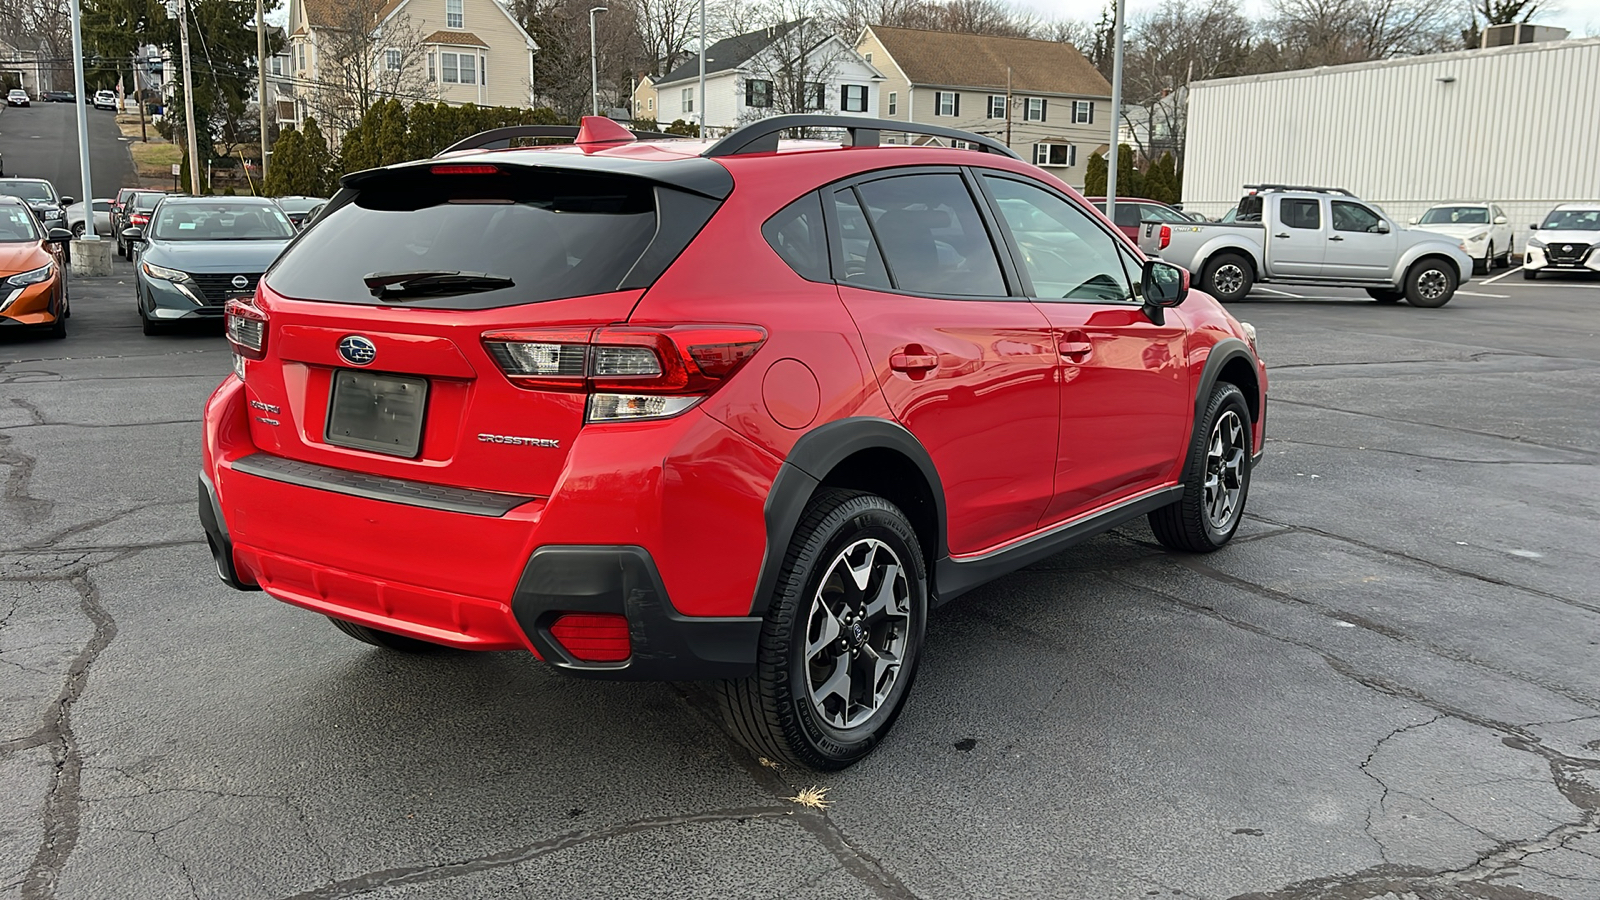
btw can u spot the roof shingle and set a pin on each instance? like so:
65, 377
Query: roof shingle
342, 13
456, 39
948, 59
730, 53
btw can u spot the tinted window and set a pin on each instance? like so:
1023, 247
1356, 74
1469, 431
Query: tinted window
1163, 214
1300, 213
861, 265
932, 236
1354, 217
16, 224
35, 191
554, 233
1456, 215
1066, 255
147, 201
798, 235
221, 222
1573, 220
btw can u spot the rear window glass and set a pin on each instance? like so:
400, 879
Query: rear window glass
798, 235
551, 233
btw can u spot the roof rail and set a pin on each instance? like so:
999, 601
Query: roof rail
1297, 187
761, 136
501, 138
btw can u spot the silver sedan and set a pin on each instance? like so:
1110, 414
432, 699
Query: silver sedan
102, 218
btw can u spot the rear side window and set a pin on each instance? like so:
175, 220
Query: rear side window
1300, 213
799, 236
932, 236
552, 233
860, 262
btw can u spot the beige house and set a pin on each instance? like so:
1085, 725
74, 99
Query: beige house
344, 54
644, 99
1042, 98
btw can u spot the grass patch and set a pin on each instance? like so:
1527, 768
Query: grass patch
156, 156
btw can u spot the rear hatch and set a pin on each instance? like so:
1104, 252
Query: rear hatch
372, 326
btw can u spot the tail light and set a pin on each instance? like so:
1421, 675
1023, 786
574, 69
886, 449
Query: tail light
628, 372
593, 638
1166, 236
139, 219
246, 329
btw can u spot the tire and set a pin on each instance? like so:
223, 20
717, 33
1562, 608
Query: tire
1386, 295
792, 709
1430, 283
149, 326
1235, 274
77, 231
122, 249
1483, 266
1511, 250
1530, 274
385, 639
1205, 517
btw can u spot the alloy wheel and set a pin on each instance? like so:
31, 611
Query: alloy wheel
1228, 279
1432, 284
857, 633
1225, 460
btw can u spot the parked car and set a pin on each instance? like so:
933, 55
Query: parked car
102, 218
41, 195
1567, 240
59, 97
200, 252
33, 281
2, 165
105, 100
1132, 210
1310, 235
1481, 226
500, 399
300, 209
17, 97
134, 213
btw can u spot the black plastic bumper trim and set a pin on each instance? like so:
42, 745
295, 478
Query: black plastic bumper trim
377, 487
667, 645
217, 537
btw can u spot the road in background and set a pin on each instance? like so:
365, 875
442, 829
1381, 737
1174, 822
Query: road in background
1386, 687
41, 141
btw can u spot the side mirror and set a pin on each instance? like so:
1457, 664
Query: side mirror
1499, 220
1411, 221
1164, 286
58, 236
1382, 227
68, 201
133, 235
1533, 227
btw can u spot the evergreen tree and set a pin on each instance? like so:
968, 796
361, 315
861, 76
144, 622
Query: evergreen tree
318, 177
392, 140
1130, 181
1094, 176
287, 159
1161, 182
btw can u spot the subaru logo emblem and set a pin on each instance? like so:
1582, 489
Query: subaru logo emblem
240, 282
357, 350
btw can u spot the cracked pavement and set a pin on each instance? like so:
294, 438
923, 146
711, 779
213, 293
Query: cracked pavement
1387, 687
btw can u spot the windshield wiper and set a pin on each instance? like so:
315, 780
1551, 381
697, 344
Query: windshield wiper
394, 285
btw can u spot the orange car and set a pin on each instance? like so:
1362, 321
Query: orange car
33, 286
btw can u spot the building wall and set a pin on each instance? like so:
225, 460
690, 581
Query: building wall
1518, 125
725, 91
506, 55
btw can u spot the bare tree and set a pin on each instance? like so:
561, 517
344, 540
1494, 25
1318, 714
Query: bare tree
361, 60
666, 29
794, 72
1168, 48
1333, 32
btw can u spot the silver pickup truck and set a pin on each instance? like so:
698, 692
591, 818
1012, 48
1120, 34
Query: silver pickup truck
1308, 235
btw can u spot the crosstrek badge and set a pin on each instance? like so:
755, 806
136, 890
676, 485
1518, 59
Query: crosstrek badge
552, 443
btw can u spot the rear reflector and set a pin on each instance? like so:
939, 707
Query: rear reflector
593, 638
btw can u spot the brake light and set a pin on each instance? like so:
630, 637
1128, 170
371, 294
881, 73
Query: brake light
593, 638
246, 329
139, 219
1166, 236
630, 373
475, 169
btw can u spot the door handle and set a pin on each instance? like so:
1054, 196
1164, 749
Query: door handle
1336, 238
913, 358
1074, 346
1284, 235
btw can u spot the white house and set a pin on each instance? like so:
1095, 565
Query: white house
794, 67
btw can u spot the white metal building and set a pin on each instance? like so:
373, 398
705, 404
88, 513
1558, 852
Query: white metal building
1518, 125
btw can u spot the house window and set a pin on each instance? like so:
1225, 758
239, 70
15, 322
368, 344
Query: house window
433, 70
816, 95
688, 100
894, 102
391, 60
650, 104
946, 103
1083, 112
458, 68
300, 57
277, 65
997, 106
1035, 110
1055, 154
285, 110
454, 14
483, 70
869, 59
853, 98
758, 93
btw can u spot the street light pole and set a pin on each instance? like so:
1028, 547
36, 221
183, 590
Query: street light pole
83, 124
594, 64
1116, 114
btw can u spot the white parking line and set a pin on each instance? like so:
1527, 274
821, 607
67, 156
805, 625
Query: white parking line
1506, 274
1267, 290
1476, 294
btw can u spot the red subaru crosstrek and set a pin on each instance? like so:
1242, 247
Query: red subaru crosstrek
743, 410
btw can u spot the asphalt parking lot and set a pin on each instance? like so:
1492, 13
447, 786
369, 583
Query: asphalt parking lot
1387, 687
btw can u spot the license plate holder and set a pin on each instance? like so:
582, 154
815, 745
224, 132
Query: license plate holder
376, 411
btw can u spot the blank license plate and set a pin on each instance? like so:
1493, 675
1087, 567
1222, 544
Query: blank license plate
377, 412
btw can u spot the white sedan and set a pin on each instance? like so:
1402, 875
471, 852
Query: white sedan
1482, 228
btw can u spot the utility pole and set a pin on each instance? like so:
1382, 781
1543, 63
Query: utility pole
188, 99
1116, 114
138, 96
261, 83
594, 64
1008, 106
83, 124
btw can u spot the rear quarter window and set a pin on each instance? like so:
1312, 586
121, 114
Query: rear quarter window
798, 235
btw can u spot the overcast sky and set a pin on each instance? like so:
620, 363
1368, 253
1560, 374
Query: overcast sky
1581, 17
